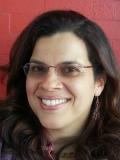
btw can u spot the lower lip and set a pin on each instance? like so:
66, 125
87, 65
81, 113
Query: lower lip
52, 108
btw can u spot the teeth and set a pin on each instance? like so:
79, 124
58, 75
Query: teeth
53, 102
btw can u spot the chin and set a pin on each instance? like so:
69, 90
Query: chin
52, 125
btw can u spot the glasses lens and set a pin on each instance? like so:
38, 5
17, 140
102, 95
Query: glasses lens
36, 69
69, 70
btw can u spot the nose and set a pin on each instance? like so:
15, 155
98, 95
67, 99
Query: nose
51, 81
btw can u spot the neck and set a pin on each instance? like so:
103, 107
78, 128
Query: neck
64, 136
60, 140
58, 144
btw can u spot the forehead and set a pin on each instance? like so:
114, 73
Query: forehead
65, 46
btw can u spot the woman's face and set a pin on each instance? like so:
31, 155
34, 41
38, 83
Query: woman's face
61, 101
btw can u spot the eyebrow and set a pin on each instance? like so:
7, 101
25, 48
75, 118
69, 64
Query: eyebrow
37, 62
64, 62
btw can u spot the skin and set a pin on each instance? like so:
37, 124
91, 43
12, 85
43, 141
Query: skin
69, 119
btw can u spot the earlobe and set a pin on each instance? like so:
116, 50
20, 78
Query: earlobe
99, 87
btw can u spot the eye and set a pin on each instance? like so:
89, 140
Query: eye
37, 68
70, 70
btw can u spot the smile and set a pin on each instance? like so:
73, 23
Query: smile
53, 102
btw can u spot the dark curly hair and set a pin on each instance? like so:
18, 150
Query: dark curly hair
21, 131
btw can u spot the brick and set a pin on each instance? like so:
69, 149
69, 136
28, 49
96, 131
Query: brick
22, 6
3, 58
6, 41
104, 9
4, 23
83, 6
111, 28
117, 11
19, 21
5, 46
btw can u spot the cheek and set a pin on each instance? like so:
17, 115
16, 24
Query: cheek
83, 90
82, 87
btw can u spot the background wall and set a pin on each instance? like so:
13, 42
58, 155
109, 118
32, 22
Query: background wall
14, 15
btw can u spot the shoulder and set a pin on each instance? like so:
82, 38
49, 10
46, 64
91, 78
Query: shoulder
4, 155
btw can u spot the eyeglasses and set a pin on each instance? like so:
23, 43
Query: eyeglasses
64, 69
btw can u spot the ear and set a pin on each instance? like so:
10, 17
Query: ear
99, 85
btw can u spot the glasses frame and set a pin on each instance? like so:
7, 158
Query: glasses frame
51, 66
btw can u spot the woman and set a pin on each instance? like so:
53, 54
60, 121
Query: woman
62, 92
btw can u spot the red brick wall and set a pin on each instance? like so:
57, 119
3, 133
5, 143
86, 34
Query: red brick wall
14, 15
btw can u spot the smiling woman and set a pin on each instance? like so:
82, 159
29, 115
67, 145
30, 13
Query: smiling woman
63, 103
59, 100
